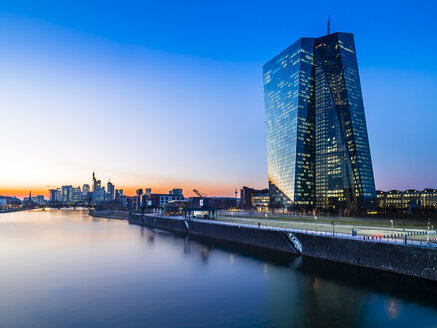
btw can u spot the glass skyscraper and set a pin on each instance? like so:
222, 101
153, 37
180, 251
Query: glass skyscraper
317, 145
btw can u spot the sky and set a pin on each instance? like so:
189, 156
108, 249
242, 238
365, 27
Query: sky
167, 94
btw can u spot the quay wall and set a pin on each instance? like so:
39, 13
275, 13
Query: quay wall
110, 214
408, 260
173, 224
267, 239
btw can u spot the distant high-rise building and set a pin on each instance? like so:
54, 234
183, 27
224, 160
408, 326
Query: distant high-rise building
139, 202
96, 187
118, 193
67, 193
58, 194
53, 195
101, 193
39, 200
85, 191
76, 195
111, 191
317, 145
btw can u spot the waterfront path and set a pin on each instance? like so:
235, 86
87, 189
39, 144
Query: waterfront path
342, 228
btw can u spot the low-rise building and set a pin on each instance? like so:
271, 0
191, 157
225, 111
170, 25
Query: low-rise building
152, 199
408, 199
261, 202
246, 194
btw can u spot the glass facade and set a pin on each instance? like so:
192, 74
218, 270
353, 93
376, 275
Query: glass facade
289, 103
317, 145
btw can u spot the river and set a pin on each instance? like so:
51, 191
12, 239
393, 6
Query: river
63, 268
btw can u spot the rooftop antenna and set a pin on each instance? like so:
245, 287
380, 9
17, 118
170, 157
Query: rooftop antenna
329, 24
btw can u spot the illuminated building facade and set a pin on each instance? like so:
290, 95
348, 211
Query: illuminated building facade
290, 125
260, 202
405, 200
317, 145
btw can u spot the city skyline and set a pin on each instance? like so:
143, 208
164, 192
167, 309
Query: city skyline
128, 97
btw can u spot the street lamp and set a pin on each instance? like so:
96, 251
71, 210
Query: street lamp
333, 225
427, 237
315, 220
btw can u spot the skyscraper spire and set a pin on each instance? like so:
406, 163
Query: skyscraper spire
329, 24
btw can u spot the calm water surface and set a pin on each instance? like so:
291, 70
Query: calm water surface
62, 268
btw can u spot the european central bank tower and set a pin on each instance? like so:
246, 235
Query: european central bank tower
317, 145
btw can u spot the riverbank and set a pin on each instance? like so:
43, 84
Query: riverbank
10, 210
387, 221
414, 259
110, 214
360, 227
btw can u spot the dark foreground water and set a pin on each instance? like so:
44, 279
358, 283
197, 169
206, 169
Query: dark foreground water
62, 268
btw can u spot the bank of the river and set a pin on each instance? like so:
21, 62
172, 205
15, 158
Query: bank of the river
394, 220
11, 210
361, 227
414, 259
110, 214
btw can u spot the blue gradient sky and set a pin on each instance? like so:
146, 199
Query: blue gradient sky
169, 93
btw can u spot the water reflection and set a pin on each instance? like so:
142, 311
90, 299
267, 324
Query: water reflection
63, 268
393, 308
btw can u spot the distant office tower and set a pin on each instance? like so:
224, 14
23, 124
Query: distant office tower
317, 145
53, 195
96, 187
67, 193
76, 195
58, 194
118, 193
39, 200
111, 192
85, 191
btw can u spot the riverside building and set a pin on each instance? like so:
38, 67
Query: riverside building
318, 152
408, 200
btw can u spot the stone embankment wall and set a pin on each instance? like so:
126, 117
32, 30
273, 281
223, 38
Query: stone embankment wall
258, 237
176, 224
110, 214
409, 260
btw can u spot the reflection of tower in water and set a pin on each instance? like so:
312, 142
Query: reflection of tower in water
393, 308
298, 298
151, 237
187, 249
204, 254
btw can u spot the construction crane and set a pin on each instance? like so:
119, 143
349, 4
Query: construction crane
198, 193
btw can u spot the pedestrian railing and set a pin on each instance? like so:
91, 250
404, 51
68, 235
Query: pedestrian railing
395, 238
